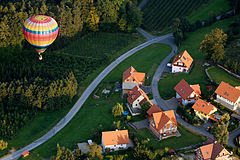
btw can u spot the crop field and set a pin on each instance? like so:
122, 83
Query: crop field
98, 45
158, 14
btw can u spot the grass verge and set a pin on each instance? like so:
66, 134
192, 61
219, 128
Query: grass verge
219, 75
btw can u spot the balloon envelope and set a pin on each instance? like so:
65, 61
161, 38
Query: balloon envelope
40, 31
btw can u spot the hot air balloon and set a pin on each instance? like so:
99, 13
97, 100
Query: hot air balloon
40, 31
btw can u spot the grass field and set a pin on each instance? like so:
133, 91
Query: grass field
98, 111
187, 138
197, 74
212, 7
219, 75
158, 14
46, 120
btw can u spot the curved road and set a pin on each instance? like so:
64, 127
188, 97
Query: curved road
63, 122
161, 103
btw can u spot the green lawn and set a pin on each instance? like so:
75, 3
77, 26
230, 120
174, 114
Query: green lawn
187, 138
197, 74
98, 111
212, 7
219, 75
46, 120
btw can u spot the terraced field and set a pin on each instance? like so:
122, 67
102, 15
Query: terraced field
158, 14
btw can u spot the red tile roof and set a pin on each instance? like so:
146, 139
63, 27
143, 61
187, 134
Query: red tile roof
135, 93
153, 109
115, 137
211, 149
227, 91
185, 58
25, 153
203, 106
183, 89
132, 75
196, 88
162, 118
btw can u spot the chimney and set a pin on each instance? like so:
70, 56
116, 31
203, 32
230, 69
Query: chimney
208, 103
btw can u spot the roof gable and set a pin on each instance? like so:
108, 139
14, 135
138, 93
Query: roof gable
135, 93
132, 75
115, 137
203, 106
153, 109
162, 118
211, 149
185, 58
227, 91
183, 89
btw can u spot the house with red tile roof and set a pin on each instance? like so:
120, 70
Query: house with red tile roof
115, 140
182, 62
203, 109
132, 78
228, 96
212, 150
136, 97
163, 124
186, 93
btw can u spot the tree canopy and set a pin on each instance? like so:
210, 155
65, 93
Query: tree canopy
213, 45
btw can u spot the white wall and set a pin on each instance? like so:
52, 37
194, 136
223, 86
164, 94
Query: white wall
115, 147
232, 106
178, 69
136, 104
185, 102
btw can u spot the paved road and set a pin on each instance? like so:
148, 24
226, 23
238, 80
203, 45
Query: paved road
161, 103
142, 4
233, 135
145, 34
62, 123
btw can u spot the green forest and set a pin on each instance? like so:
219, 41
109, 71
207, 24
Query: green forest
29, 86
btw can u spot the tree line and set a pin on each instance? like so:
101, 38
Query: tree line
73, 17
20, 101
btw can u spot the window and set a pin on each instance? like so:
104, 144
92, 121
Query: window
136, 104
184, 58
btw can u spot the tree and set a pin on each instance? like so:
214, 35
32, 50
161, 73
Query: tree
213, 45
117, 125
117, 110
144, 108
64, 154
79, 155
141, 152
3, 145
220, 129
95, 151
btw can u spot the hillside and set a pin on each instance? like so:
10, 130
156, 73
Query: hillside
158, 14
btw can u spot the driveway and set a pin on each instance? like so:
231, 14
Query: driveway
140, 124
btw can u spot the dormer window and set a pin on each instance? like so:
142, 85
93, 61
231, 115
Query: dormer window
184, 58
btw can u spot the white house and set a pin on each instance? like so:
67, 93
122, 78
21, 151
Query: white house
228, 96
186, 93
131, 78
115, 140
136, 97
182, 62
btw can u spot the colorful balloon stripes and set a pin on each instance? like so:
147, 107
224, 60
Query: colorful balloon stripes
40, 31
